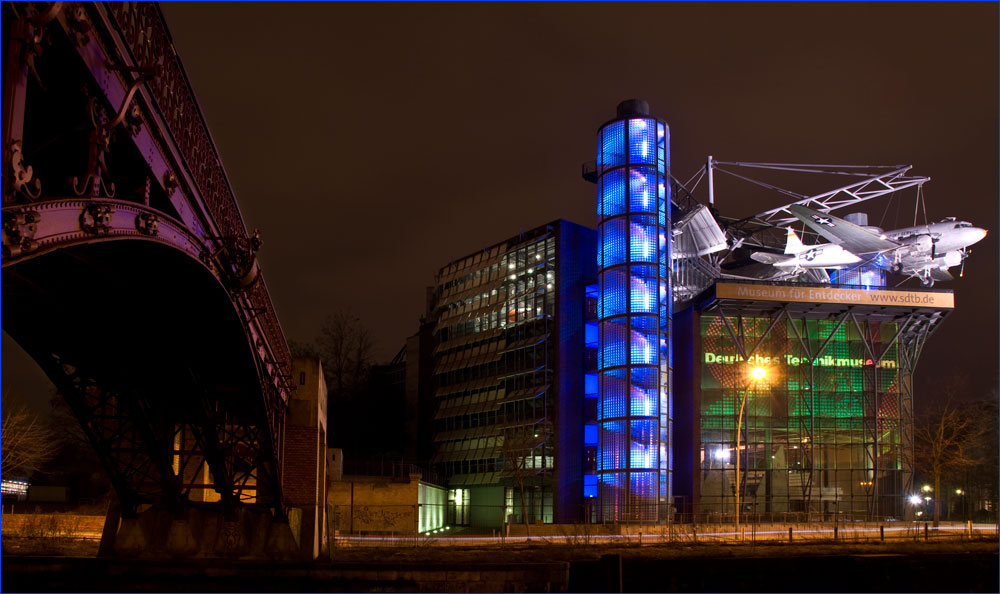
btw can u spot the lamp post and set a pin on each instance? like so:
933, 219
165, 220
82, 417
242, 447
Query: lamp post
756, 374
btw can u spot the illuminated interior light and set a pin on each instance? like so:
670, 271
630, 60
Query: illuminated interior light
14, 487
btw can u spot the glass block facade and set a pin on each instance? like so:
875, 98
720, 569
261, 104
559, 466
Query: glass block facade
633, 320
823, 432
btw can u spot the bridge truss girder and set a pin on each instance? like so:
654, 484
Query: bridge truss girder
138, 107
765, 229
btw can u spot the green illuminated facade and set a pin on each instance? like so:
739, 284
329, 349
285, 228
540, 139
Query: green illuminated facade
821, 431
826, 434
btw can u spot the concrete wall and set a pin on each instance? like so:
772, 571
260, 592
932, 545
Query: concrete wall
374, 504
384, 505
52, 525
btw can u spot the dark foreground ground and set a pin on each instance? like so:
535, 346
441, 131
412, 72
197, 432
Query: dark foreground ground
807, 567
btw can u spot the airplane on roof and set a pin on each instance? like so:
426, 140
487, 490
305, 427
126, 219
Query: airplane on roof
923, 251
799, 257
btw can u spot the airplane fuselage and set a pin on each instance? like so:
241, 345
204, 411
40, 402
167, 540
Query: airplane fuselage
827, 255
946, 236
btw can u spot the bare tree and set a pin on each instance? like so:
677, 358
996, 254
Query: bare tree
26, 442
518, 455
345, 346
980, 481
361, 353
303, 350
943, 440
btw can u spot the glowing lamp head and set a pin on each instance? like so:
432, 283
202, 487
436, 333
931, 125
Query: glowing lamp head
915, 499
758, 373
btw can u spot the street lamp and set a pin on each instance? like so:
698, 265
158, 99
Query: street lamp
757, 374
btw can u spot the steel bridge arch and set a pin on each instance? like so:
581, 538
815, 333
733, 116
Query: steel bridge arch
153, 453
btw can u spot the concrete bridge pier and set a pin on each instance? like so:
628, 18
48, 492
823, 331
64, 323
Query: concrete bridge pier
180, 538
284, 538
202, 530
198, 533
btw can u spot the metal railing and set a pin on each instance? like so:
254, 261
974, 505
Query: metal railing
483, 525
143, 31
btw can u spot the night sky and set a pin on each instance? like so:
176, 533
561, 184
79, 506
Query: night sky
373, 143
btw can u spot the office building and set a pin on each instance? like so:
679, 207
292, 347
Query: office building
508, 392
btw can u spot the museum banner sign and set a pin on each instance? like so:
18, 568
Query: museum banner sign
834, 295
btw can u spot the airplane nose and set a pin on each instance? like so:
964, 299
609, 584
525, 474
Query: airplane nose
972, 235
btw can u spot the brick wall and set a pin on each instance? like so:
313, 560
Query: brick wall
300, 465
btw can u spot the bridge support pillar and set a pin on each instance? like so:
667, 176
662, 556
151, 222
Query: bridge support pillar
112, 519
131, 538
180, 539
231, 539
204, 533
284, 538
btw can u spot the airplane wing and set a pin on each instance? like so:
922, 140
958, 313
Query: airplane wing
940, 274
836, 230
769, 258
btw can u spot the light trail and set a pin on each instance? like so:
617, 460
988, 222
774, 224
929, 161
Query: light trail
911, 531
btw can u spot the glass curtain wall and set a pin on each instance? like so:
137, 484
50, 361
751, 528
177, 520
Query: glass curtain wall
822, 432
493, 368
634, 311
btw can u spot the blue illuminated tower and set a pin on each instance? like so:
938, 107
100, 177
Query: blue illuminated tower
634, 316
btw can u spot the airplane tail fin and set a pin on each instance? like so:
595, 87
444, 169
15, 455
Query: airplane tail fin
793, 245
